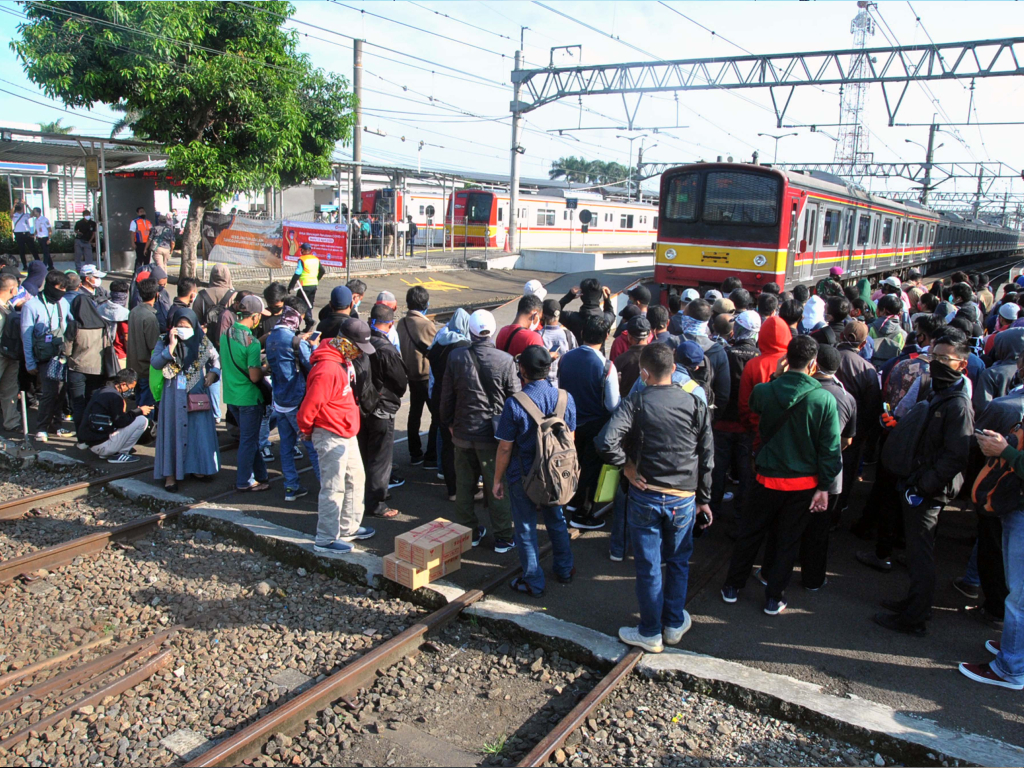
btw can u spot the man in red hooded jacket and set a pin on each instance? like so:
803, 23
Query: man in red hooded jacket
329, 416
773, 339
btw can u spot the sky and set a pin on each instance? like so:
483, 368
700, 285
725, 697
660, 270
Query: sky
454, 97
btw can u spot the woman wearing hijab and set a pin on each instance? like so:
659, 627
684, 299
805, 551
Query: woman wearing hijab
186, 438
36, 274
451, 336
814, 316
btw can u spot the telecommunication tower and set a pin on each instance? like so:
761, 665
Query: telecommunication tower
852, 147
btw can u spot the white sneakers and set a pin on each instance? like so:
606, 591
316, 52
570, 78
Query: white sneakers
656, 644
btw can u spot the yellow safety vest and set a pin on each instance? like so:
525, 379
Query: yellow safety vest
310, 274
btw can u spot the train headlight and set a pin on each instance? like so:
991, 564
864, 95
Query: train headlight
760, 260
670, 253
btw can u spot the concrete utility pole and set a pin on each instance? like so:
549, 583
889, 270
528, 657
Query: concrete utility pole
928, 158
516, 150
357, 130
977, 195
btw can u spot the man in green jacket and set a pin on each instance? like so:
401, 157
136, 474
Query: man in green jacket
798, 459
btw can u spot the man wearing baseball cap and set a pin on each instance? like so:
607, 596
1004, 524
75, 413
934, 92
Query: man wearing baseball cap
517, 450
831, 285
477, 381
336, 312
675, 324
243, 391
329, 416
638, 333
535, 288
387, 299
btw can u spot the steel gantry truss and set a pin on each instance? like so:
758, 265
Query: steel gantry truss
915, 172
894, 67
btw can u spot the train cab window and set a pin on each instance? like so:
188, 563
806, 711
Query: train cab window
830, 231
810, 226
682, 197
920, 233
545, 217
626, 221
863, 229
887, 232
732, 197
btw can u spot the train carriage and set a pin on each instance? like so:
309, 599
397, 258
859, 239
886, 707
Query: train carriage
765, 225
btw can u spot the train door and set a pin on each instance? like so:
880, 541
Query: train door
809, 242
829, 250
847, 250
793, 250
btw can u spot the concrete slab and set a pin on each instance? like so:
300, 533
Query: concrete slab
186, 743
146, 493
433, 750
290, 679
55, 460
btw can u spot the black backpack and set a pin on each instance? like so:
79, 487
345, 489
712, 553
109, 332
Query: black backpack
10, 338
212, 316
899, 454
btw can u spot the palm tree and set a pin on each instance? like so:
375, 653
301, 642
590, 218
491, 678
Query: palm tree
125, 123
56, 127
570, 168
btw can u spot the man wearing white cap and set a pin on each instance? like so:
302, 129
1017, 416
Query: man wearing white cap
477, 381
535, 288
675, 325
732, 440
1005, 319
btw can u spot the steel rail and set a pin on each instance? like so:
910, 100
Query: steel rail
115, 688
18, 508
6, 681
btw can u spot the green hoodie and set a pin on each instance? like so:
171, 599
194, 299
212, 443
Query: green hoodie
808, 442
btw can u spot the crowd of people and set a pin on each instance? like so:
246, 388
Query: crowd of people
784, 397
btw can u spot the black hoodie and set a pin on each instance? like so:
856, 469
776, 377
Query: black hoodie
592, 307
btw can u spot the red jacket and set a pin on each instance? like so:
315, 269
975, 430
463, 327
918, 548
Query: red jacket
773, 339
329, 402
620, 345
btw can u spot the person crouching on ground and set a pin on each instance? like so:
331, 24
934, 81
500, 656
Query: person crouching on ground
329, 416
109, 428
662, 437
517, 450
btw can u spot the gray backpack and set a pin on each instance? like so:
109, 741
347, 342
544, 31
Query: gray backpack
555, 473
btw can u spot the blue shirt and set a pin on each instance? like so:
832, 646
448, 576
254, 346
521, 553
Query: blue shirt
518, 428
679, 377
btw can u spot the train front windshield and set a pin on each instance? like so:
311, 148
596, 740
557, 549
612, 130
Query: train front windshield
477, 206
721, 205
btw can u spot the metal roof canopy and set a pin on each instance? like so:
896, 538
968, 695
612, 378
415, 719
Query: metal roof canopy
42, 148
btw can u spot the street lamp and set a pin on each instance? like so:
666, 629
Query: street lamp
775, 156
639, 162
922, 146
629, 178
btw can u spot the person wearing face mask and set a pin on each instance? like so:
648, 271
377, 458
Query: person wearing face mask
329, 416
109, 427
938, 459
186, 438
9, 365
522, 332
243, 391
44, 320
85, 240
358, 288
798, 460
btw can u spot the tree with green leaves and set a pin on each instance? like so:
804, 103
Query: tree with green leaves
220, 85
571, 169
56, 127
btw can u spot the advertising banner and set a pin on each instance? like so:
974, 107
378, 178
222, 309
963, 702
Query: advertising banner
238, 240
329, 241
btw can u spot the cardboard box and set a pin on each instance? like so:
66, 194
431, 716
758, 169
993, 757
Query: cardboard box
426, 546
410, 576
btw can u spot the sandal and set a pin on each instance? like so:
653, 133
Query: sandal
172, 488
519, 584
386, 513
254, 488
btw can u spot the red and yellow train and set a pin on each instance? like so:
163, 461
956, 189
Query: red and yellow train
765, 225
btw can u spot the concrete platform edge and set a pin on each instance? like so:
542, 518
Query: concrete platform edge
912, 740
142, 492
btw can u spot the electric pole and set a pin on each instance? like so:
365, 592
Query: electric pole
929, 156
977, 195
357, 130
516, 150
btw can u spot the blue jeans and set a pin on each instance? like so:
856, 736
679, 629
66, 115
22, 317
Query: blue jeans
971, 574
250, 463
216, 400
143, 394
619, 531
288, 430
1009, 664
268, 423
661, 526
524, 518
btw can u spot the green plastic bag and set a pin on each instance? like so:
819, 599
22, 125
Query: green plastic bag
156, 383
607, 482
